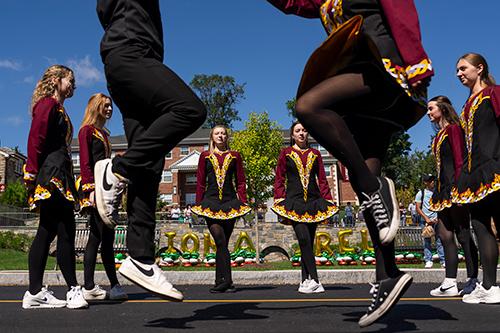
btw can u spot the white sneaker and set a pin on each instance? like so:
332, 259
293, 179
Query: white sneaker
75, 299
150, 277
447, 289
311, 287
96, 293
109, 189
42, 300
303, 287
429, 264
481, 295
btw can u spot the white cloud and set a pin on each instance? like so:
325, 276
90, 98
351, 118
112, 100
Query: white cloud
29, 80
13, 120
86, 73
10, 64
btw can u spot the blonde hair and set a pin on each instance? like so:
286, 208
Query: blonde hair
47, 85
94, 112
211, 145
476, 59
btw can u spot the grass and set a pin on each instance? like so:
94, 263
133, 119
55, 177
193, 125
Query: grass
17, 260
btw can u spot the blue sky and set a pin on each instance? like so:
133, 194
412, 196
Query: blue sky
249, 40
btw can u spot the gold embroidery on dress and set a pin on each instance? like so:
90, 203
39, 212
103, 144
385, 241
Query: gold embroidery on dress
69, 130
306, 217
436, 149
220, 172
331, 14
468, 125
304, 172
96, 133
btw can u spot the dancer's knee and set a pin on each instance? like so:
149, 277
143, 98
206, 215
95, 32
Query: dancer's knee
304, 109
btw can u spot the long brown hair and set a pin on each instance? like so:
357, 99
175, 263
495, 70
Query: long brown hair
476, 59
211, 145
47, 85
292, 141
94, 112
447, 110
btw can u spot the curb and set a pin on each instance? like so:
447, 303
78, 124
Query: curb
283, 277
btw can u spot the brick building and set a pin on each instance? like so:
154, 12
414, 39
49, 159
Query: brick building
178, 183
11, 166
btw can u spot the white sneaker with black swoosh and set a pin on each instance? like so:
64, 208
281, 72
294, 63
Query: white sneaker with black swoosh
150, 277
42, 300
447, 289
109, 189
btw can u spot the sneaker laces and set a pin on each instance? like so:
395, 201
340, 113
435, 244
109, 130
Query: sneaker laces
374, 292
379, 212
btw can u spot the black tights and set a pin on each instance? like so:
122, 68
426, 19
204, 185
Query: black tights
306, 232
455, 220
221, 232
104, 236
316, 111
481, 214
56, 219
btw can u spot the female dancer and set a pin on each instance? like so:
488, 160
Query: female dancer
479, 182
448, 148
48, 176
95, 146
218, 201
302, 198
365, 82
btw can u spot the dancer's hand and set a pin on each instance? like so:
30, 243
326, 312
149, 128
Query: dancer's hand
420, 87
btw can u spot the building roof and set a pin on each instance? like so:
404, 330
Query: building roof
187, 163
7, 152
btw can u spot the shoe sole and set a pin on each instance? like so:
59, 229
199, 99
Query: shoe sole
78, 307
394, 225
101, 206
400, 288
445, 295
173, 297
43, 306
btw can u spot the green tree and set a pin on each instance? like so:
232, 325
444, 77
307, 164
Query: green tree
259, 144
15, 195
396, 162
290, 106
219, 94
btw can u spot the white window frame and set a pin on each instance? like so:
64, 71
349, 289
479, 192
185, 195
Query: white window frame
165, 176
186, 147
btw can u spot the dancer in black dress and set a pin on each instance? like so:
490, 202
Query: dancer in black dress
303, 199
479, 182
48, 175
367, 81
93, 139
448, 148
219, 202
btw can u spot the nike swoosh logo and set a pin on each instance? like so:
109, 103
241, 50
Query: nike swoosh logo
105, 183
444, 289
143, 271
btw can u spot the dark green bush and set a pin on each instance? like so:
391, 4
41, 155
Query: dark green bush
13, 241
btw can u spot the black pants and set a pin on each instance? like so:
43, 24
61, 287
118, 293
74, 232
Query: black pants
56, 219
104, 236
158, 110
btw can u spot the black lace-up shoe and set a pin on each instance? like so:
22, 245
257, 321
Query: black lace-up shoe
383, 206
386, 294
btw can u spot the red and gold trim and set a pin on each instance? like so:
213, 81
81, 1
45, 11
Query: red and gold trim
221, 215
220, 171
28, 177
440, 205
467, 122
98, 134
306, 218
42, 193
304, 171
469, 196
436, 149
69, 130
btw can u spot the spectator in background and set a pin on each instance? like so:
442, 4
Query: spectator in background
175, 213
428, 217
349, 220
412, 209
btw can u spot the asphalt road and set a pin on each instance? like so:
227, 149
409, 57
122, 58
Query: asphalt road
251, 309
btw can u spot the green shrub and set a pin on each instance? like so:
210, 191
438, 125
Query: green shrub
18, 242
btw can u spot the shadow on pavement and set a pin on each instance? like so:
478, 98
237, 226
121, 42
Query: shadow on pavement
212, 313
397, 318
